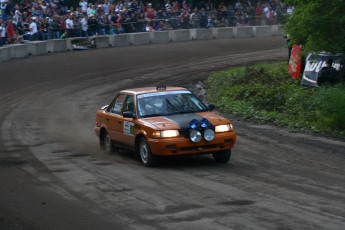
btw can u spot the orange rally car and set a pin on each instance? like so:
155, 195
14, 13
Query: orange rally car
163, 121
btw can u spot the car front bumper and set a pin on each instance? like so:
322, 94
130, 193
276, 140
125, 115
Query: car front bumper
184, 146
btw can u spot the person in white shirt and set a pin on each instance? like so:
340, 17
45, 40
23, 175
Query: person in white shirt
84, 26
83, 5
33, 29
17, 13
70, 25
2, 33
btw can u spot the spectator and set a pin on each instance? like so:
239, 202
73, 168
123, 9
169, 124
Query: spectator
17, 13
83, 5
69, 25
56, 27
64, 35
107, 17
101, 24
150, 14
33, 29
93, 25
258, 14
195, 19
43, 29
10, 31
328, 74
185, 17
9, 9
19, 27
2, 33
118, 25
84, 25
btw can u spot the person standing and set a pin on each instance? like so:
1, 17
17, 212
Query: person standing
69, 25
10, 31
83, 5
2, 33
84, 26
33, 29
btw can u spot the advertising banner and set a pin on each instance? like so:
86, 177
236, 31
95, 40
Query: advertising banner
314, 62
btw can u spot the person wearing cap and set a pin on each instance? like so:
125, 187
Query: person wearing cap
33, 29
150, 14
69, 25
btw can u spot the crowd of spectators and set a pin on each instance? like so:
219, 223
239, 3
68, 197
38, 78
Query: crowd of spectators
25, 20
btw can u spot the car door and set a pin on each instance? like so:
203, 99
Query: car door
113, 119
127, 135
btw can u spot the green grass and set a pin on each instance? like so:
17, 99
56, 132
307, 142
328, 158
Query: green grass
266, 93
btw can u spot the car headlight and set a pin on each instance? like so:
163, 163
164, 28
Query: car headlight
165, 133
223, 128
208, 134
194, 135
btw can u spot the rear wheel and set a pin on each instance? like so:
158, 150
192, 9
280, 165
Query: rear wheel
108, 145
145, 154
222, 157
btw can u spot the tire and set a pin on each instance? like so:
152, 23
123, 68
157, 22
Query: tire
108, 145
145, 155
222, 157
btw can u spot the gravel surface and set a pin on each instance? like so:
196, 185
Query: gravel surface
53, 175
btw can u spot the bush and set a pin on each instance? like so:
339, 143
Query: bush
266, 93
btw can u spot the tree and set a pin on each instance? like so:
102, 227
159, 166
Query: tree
318, 25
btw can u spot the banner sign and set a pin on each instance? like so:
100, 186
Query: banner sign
313, 64
295, 62
83, 43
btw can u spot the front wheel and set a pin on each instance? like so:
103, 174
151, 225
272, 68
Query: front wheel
145, 154
222, 157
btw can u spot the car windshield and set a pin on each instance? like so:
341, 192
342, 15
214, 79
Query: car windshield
168, 103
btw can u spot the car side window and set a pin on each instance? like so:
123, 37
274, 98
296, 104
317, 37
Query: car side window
116, 105
129, 104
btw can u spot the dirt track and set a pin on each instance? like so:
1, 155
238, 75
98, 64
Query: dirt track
53, 175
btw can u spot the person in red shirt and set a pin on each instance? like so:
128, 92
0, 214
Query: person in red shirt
258, 14
10, 31
150, 14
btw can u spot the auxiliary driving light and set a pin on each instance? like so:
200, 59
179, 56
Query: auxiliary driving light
204, 123
194, 135
208, 134
194, 124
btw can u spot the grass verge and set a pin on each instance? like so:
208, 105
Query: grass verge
266, 93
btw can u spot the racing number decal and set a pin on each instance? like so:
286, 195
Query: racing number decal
128, 128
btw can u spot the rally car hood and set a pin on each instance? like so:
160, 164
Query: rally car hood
181, 121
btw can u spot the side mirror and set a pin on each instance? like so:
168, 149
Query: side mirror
104, 107
211, 107
128, 114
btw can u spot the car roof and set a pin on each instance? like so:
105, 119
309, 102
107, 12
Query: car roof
144, 90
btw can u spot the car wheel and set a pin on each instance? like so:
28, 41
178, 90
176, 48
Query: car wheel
108, 144
222, 157
145, 154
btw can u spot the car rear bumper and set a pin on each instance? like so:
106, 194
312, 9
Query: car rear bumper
184, 146
97, 130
